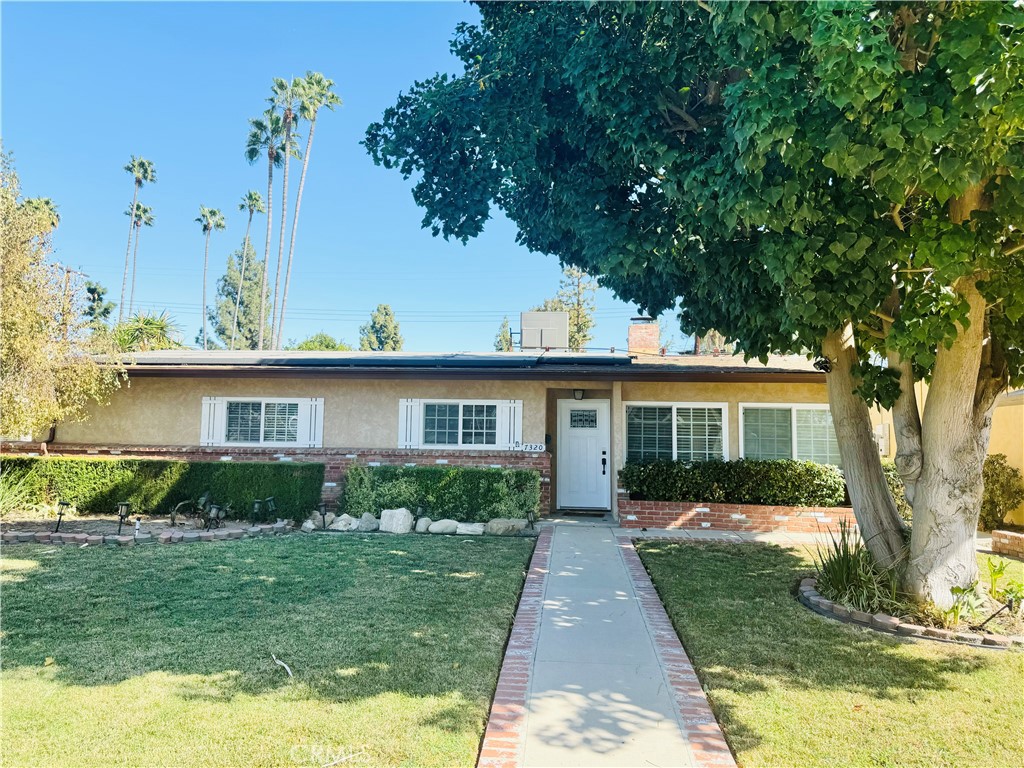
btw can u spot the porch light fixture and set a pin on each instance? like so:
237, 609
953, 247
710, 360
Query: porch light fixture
124, 509
62, 508
577, 394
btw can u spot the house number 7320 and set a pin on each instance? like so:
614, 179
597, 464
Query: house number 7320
530, 447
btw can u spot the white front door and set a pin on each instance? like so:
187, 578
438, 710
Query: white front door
584, 455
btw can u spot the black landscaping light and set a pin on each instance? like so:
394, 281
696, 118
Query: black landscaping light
323, 513
270, 506
531, 517
62, 508
213, 516
257, 511
124, 509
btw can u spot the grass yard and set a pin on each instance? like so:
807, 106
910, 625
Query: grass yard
162, 655
791, 688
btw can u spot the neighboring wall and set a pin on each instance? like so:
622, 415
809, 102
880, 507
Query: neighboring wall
358, 413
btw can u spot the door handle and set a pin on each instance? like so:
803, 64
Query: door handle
604, 466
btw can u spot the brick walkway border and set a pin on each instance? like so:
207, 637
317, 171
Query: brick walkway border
701, 729
504, 741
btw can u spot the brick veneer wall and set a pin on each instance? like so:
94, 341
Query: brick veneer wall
335, 460
1008, 543
730, 517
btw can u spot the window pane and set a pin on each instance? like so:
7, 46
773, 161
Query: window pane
441, 424
243, 422
816, 437
699, 434
281, 422
767, 433
479, 424
582, 418
648, 432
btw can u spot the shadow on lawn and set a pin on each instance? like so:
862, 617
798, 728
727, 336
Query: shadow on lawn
351, 616
734, 608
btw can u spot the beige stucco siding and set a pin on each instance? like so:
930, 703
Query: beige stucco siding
717, 392
357, 413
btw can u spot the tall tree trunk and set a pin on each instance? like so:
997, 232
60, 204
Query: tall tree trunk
206, 260
284, 220
241, 281
266, 248
135, 261
967, 378
295, 226
873, 506
127, 253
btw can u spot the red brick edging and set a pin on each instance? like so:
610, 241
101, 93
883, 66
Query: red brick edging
504, 741
707, 742
1008, 543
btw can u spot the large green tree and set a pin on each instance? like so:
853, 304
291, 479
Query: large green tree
211, 220
382, 333
316, 93
266, 137
47, 373
234, 317
575, 295
503, 339
320, 342
142, 172
842, 178
252, 202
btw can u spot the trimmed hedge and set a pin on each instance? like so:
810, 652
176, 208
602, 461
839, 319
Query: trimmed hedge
782, 482
96, 485
466, 494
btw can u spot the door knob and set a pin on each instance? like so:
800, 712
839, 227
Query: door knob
604, 466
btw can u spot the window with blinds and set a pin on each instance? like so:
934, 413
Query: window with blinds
682, 432
798, 432
262, 421
768, 433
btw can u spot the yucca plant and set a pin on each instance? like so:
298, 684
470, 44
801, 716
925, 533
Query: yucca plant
15, 493
848, 574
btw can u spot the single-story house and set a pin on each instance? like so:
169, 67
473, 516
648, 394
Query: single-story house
576, 418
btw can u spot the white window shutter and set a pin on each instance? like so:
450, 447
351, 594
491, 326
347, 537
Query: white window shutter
312, 423
211, 424
409, 423
510, 425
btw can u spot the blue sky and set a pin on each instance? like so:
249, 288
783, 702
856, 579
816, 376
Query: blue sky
86, 85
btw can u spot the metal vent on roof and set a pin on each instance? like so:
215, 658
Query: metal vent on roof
544, 331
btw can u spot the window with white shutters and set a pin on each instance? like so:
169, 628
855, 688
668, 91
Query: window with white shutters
271, 422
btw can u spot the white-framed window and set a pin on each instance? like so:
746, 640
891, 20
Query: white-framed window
460, 424
681, 431
802, 431
271, 422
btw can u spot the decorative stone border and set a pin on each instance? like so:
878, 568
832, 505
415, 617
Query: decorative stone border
883, 622
707, 742
130, 540
504, 744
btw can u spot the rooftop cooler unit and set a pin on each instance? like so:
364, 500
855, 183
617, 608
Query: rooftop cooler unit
544, 331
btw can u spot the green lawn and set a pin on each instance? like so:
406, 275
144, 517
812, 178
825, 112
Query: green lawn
162, 655
791, 688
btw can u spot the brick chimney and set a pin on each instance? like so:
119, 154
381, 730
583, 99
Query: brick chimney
644, 336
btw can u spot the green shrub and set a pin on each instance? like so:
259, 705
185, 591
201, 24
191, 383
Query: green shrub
466, 494
1004, 492
96, 485
781, 482
848, 574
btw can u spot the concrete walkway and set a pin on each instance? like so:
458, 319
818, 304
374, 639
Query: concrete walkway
608, 683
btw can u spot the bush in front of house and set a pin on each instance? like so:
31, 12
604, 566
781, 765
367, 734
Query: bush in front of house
465, 494
96, 485
777, 482
1004, 492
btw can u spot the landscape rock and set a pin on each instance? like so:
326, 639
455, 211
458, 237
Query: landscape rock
307, 526
910, 630
368, 523
396, 520
423, 524
343, 523
470, 529
503, 526
443, 526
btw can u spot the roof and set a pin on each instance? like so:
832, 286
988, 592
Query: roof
475, 365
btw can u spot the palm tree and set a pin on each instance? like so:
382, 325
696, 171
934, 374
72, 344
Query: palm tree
143, 216
285, 96
210, 219
252, 202
142, 170
143, 332
316, 93
265, 136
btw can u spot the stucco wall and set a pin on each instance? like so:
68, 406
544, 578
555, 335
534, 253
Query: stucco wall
357, 413
715, 392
